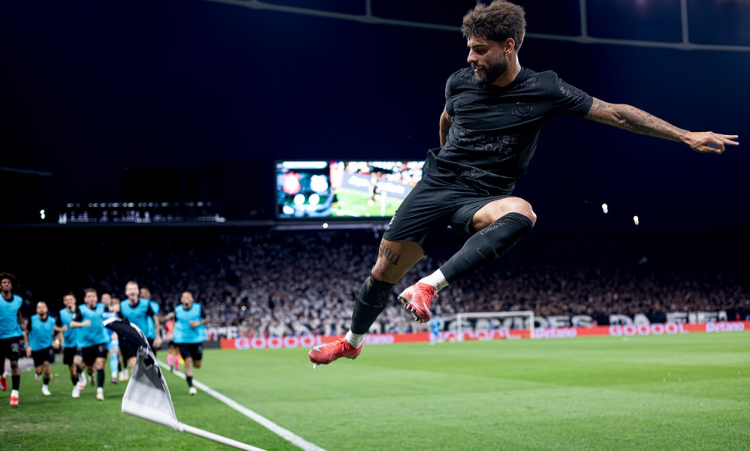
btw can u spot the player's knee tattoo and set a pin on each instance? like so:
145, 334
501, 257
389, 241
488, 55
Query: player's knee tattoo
389, 254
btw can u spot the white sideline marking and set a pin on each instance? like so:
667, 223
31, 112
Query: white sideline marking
258, 418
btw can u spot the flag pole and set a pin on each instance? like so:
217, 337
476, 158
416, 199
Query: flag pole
217, 438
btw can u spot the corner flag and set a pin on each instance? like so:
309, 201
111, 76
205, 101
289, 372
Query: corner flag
147, 395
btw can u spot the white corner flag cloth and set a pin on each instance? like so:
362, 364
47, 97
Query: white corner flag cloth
147, 395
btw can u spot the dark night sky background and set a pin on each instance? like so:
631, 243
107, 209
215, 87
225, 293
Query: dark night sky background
193, 100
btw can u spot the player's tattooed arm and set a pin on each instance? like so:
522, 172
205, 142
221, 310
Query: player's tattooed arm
445, 124
635, 120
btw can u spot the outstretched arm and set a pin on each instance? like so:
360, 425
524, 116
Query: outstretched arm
631, 118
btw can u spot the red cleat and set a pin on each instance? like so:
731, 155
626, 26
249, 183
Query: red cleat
14, 401
417, 299
4, 383
327, 353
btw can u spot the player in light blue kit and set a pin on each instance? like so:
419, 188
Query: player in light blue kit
150, 331
10, 333
436, 328
92, 337
38, 338
189, 334
113, 345
71, 349
136, 310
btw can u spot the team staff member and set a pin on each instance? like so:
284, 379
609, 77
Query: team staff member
10, 334
39, 345
92, 337
136, 310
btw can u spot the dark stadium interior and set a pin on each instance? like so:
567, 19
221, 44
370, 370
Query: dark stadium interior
193, 101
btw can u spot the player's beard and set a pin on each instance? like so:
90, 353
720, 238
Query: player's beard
490, 73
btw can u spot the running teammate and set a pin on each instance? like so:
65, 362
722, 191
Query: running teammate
189, 334
71, 349
39, 345
173, 351
92, 337
113, 346
136, 310
11, 334
151, 330
494, 116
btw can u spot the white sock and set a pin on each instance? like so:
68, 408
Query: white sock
436, 279
354, 339
14, 393
44, 386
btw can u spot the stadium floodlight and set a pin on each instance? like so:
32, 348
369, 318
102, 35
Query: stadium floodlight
519, 314
147, 395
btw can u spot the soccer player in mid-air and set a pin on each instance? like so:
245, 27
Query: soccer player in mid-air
71, 349
38, 335
11, 334
495, 113
92, 337
189, 334
136, 310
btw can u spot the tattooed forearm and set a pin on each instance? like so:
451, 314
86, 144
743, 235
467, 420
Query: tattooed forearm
631, 118
640, 121
389, 254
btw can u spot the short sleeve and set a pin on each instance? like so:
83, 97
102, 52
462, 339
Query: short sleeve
28, 326
567, 99
448, 97
77, 317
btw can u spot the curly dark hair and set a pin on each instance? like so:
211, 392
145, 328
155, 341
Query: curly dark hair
497, 22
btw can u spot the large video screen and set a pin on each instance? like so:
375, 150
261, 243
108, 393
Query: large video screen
343, 189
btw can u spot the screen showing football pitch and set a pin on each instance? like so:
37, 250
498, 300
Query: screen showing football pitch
343, 189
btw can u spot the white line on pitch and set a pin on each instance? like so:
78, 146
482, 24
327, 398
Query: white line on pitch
258, 418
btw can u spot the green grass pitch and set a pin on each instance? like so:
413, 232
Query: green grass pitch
686, 392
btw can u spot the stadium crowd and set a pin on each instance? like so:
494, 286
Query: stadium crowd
284, 282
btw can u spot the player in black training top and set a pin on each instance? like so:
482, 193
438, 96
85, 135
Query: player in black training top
495, 113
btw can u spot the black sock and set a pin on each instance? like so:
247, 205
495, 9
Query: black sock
16, 381
372, 300
100, 378
74, 380
119, 366
46, 381
189, 380
486, 245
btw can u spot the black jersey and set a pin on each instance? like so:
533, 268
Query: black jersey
496, 130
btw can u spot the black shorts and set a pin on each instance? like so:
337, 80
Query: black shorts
173, 345
128, 349
91, 353
194, 350
432, 206
43, 355
69, 354
10, 348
